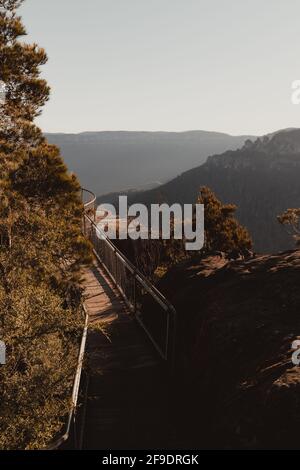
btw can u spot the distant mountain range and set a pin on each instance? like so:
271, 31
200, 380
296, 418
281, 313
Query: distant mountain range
113, 161
262, 179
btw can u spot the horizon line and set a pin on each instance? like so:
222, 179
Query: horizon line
169, 132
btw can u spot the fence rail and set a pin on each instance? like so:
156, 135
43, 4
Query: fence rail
70, 426
152, 310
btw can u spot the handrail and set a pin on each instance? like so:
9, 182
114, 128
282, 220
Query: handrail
75, 392
93, 198
76, 384
135, 280
127, 263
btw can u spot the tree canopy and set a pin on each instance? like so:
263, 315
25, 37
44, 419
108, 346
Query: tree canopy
290, 220
222, 230
42, 252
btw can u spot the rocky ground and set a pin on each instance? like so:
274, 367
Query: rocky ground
237, 321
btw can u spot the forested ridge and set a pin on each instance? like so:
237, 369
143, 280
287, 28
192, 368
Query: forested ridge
42, 252
261, 179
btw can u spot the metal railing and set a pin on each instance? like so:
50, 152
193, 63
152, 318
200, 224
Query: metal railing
89, 201
153, 311
70, 426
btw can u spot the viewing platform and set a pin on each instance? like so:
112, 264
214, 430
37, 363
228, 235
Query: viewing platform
127, 398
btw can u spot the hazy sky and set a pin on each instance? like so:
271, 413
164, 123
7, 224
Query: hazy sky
168, 64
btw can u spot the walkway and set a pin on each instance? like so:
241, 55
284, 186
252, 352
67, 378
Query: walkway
128, 404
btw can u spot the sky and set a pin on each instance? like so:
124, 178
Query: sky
168, 65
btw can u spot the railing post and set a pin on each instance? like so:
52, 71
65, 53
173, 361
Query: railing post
116, 268
75, 431
174, 339
84, 225
134, 292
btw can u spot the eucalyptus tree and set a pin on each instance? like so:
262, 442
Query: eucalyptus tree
42, 251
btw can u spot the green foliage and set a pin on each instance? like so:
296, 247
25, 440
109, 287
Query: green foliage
222, 231
42, 252
41, 338
290, 220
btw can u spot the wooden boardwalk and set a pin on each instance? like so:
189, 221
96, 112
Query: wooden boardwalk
128, 402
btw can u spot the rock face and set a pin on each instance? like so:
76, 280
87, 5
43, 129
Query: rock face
117, 161
237, 322
261, 179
